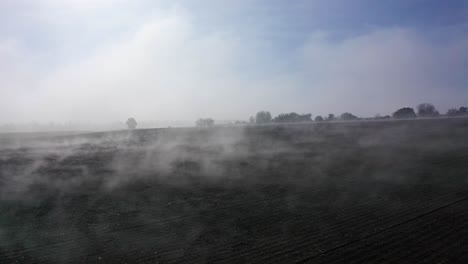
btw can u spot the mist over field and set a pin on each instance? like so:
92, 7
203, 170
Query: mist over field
246, 131
217, 190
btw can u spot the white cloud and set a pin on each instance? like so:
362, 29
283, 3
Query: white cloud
168, 68
163, 71
385, 69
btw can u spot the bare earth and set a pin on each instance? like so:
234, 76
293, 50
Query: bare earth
351, 192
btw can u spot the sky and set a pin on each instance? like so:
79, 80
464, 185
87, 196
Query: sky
106, 60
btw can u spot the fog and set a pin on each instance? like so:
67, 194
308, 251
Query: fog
105, 161
64, 164
255, 139
103, 62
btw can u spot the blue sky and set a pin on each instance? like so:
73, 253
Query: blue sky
105, 60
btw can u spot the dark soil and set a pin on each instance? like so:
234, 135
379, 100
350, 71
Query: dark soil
351, 192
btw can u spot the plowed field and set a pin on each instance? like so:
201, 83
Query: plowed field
350, 192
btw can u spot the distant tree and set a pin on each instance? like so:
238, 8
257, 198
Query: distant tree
252, 120
204, 122
379, 117
238, 122
348, 116
463, 110
318, 119
405, 112
263, 117
330, 117
458, 112
131, 123
305, 118
452, 112
292, 117
427, 110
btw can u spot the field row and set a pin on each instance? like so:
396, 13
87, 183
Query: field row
285, 228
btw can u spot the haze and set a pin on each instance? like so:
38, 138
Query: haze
106, 60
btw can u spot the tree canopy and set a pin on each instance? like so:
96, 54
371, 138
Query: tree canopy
427, 110
205, 122
405, 112
292, 117
452, 112
348, 116
458, 112
263, 117
131, 123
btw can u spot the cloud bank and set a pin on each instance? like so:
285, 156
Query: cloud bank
167, 66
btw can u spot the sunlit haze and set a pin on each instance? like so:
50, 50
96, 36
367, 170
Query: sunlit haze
103, 61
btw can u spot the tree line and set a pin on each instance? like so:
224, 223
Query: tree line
424, 110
